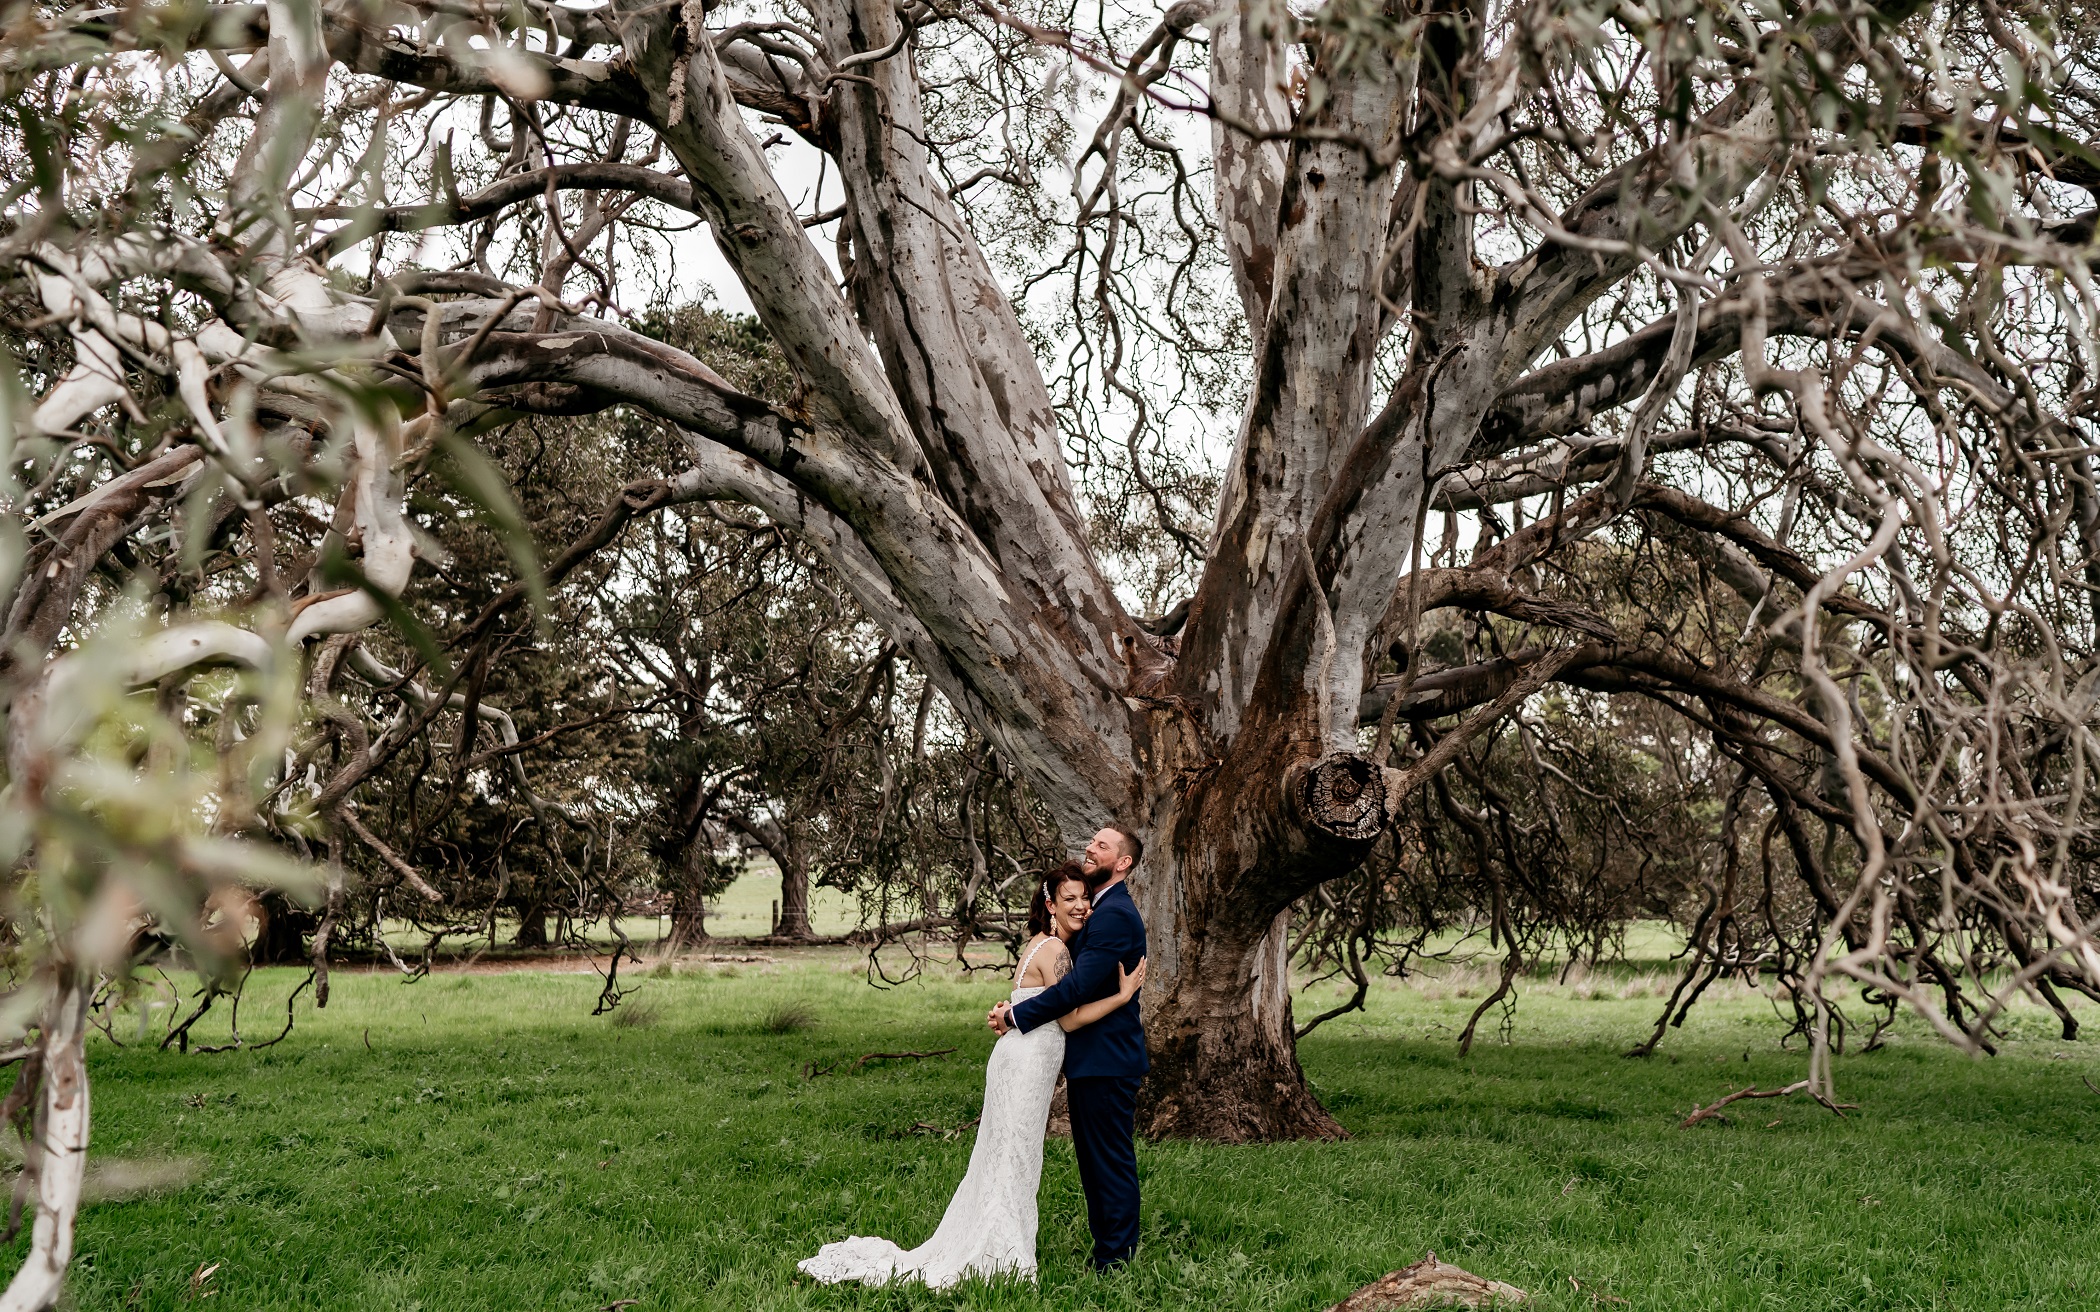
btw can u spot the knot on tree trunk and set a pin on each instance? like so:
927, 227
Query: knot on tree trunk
1341, 796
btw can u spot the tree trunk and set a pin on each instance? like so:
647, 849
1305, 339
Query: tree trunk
1224, 1065
280, 935
783, 843
1228, 856
794, 894
532, 923
61, 1133
688, 916
1218, 1021
689, 893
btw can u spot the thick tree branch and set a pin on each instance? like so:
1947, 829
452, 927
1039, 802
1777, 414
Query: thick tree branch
516, 189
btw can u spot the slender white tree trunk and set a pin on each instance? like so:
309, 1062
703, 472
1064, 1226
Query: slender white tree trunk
59, 1153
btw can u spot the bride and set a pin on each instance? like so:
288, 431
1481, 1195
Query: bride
989, 1228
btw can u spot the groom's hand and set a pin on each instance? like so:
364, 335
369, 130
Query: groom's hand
998, 1020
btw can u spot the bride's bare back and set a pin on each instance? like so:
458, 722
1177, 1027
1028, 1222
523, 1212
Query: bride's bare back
1043, 962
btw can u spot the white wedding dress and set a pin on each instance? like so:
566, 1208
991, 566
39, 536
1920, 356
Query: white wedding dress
989, 1228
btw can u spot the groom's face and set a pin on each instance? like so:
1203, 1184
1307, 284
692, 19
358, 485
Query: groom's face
1103, 858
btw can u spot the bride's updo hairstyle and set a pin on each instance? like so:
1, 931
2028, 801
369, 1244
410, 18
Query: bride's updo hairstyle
1046, 893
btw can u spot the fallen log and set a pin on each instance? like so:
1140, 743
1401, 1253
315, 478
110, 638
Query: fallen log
1430, 1283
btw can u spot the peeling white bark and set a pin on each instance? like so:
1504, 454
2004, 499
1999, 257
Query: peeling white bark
1249, 74
1311, 386
61, 1148
389, 548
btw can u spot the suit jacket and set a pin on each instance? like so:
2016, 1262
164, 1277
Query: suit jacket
1115, 1044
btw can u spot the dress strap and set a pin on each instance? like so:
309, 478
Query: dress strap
1022, 973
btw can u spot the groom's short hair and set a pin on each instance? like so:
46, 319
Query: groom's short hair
1133, 846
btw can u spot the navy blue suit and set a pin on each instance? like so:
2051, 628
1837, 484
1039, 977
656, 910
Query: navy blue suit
1104, 1063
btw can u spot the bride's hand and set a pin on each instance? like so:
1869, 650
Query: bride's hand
1128, 982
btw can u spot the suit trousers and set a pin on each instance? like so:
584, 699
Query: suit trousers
1104, 1121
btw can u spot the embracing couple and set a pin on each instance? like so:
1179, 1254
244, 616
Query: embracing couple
1074, 1007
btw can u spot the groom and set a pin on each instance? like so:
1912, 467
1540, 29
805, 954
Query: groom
1105, 1061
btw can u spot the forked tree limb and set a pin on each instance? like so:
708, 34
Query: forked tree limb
1713, 1110
1402, 783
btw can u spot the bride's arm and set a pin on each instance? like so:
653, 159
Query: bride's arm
1127, 985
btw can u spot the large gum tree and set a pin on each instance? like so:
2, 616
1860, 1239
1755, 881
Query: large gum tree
1824, 262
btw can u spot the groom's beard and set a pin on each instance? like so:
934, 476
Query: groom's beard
1096, 876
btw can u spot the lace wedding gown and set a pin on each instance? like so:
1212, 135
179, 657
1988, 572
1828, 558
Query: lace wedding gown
989, 1228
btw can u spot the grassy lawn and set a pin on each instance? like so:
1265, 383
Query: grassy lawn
479, 1141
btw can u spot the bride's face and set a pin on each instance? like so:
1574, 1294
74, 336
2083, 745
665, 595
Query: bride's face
1071, 908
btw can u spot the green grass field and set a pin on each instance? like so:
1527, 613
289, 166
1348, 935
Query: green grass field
479, 1142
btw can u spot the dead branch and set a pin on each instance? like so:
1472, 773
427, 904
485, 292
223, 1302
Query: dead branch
1713, 1111
811, 1070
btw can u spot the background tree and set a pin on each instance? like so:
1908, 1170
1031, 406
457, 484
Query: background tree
700, 693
